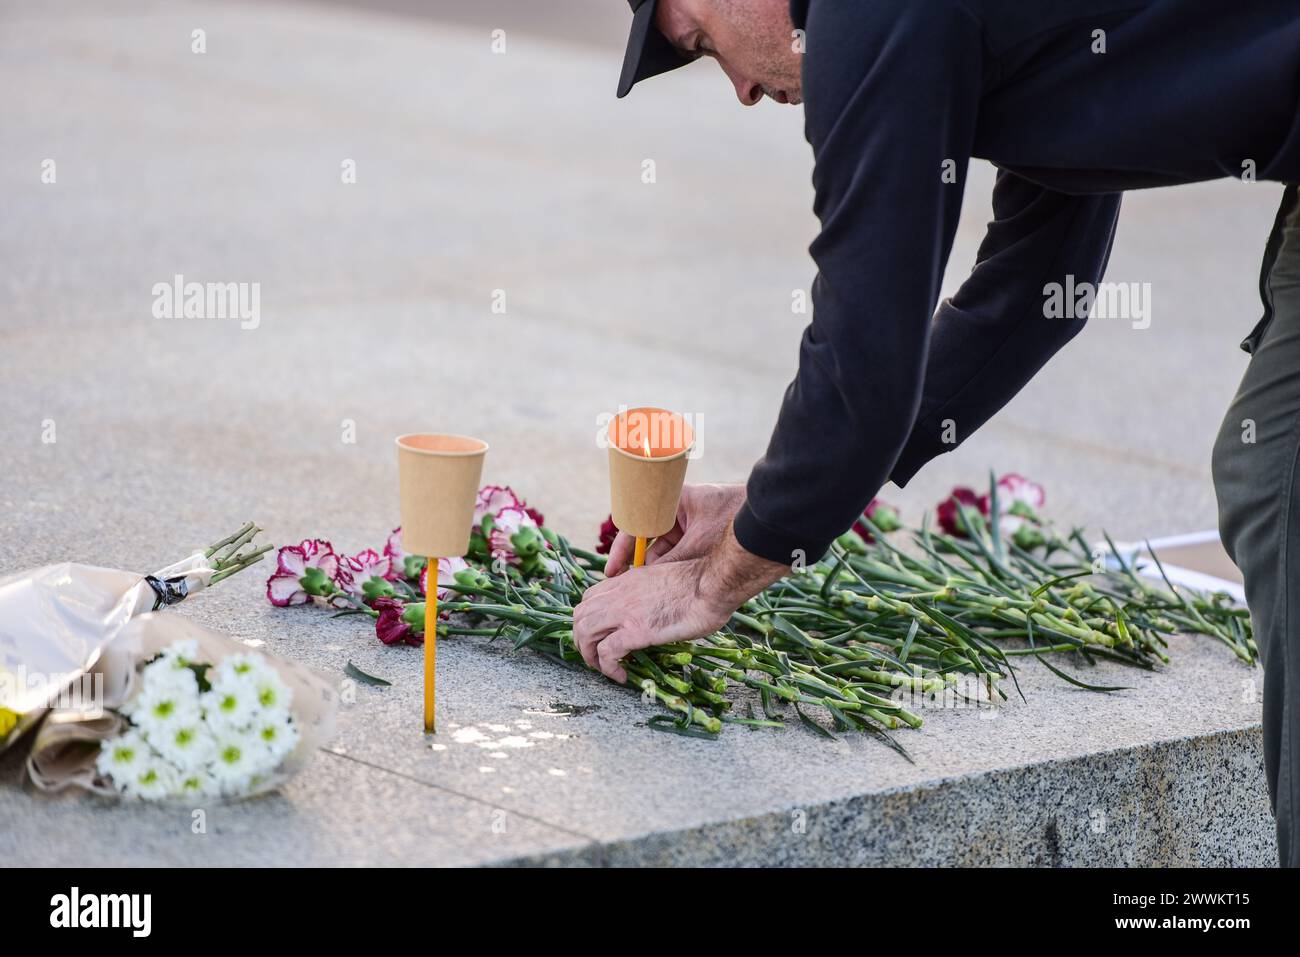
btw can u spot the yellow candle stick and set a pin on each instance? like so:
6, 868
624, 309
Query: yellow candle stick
438, 479
431, 648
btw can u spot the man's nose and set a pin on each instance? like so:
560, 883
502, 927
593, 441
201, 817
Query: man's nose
747, 91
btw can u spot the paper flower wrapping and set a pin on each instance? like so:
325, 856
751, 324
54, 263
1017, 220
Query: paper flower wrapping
187, 712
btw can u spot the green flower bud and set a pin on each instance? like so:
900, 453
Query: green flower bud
471, 578
851, 543
374, 588
885, 518
316, 582
1023, 510
1028, 536
527, 542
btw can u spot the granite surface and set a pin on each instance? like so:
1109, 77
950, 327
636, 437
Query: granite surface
376, 319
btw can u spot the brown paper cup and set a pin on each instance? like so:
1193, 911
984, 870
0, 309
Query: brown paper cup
439, 478
648, 451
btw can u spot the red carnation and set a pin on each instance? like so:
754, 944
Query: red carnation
390, 626
608, 532
883, 515
961, 497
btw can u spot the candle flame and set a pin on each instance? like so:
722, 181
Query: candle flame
645, 439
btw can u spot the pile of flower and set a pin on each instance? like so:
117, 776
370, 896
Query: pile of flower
200, 730
856, 639
508, 536
1020, 500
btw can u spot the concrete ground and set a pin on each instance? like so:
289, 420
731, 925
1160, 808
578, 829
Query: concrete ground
518, 175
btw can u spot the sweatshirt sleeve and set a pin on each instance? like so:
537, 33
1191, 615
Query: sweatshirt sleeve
891, 92
994, 335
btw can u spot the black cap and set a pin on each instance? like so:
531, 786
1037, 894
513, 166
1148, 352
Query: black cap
648, 51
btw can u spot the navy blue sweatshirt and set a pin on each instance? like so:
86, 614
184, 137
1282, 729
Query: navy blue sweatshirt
898, 92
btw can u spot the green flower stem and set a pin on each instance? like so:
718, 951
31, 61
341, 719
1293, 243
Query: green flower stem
675, 702
516, 613
1039, 649
246, 560
846, 634
228, 553
213, 548
657, 673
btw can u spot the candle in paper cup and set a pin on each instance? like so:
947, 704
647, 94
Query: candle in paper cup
648, 451
439, 477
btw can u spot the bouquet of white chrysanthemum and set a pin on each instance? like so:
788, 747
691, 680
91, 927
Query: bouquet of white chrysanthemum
199, 729
190, 713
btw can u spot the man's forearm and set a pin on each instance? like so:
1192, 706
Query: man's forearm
993, 336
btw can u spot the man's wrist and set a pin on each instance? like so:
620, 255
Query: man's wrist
732, 575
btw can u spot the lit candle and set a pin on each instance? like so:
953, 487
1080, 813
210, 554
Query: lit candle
638, 556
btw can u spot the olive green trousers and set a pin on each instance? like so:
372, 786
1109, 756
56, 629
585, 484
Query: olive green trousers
1258, 489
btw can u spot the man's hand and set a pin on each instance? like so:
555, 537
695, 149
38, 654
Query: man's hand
671, 601
703, 514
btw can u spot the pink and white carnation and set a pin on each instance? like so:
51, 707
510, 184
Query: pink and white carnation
304, 572
447, 568
361, 568
1015, 488
505, 526
494, 499
1019, 500
402, 564
395, 553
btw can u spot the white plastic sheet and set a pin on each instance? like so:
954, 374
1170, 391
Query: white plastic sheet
55, 621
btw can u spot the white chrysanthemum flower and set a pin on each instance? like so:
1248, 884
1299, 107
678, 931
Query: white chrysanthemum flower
238, 666
158, 710
231, 667
172, 668
229, 706
197, 784
273, 695
120, 758
188, 745
255, 671
276, 733
155, 779
182, 654
161, 676
239, 758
